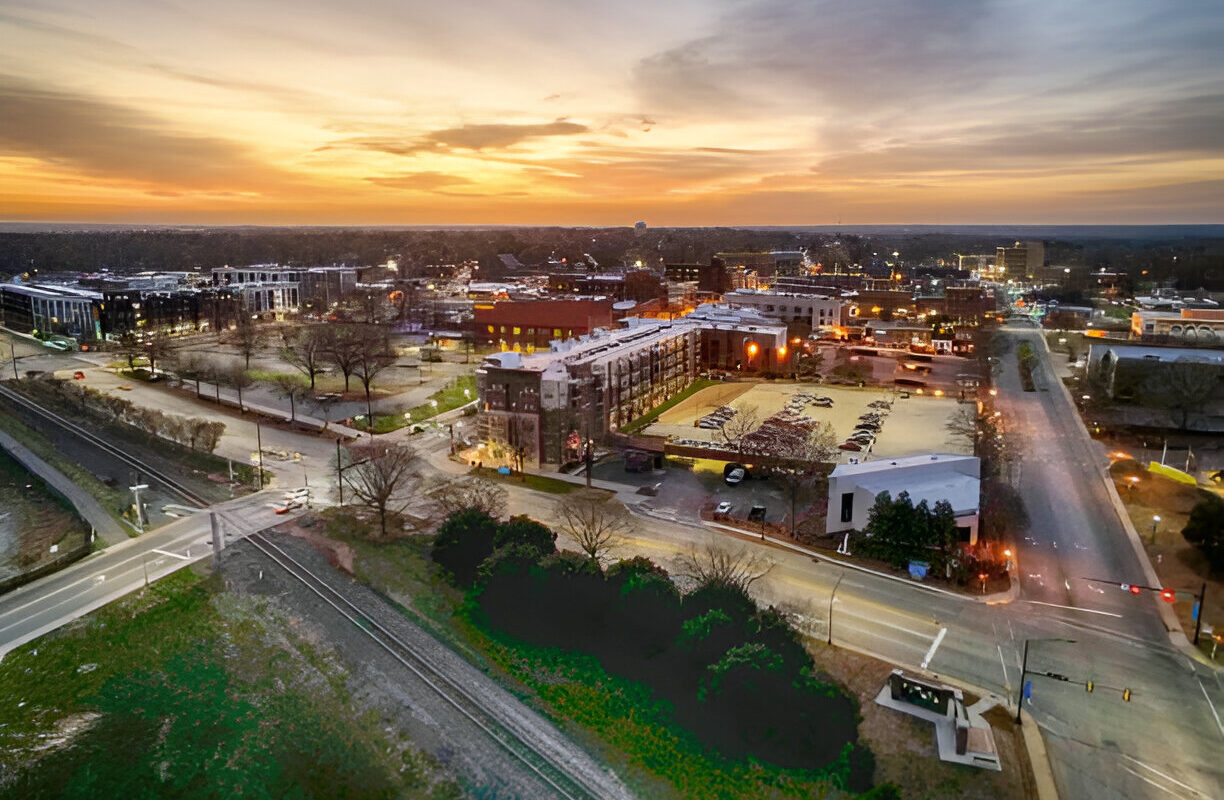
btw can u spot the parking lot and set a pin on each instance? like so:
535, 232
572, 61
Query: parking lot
912, 426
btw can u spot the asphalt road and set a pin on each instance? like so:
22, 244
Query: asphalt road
1075, 533
51, 602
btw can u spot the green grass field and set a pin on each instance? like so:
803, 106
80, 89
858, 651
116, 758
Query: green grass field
446, 399
181, 692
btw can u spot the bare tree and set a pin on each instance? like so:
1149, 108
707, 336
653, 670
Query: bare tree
342, 348
293, 388
716, 564
367, 307
190, 367
381, 479
306, 352
158, 347
450, 495
131, 349
801, 461
1183, 387
596, 524
744, 422
373, 356
238, 379
247, 337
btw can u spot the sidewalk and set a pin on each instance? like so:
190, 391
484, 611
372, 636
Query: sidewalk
86, 506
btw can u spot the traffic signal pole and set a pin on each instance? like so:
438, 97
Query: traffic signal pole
1198, 618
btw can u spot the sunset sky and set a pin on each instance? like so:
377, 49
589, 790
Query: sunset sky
678, 112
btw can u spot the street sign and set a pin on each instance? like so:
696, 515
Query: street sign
140, 487
1195, 611
1028, 690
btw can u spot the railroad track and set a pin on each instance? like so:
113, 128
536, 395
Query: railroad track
556, 776
105, 446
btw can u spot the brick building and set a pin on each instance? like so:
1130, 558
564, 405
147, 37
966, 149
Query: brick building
529, 325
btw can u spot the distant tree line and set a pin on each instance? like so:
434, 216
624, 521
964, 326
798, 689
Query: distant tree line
735, 675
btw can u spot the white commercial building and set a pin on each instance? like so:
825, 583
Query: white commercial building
816, 310
957, 479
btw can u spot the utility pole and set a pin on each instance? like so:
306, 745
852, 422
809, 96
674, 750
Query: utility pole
832, 599
339, 473
13, 353
218, 542
259, 444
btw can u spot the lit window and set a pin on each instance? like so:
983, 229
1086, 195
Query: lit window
490, 327
556, 333
517, 331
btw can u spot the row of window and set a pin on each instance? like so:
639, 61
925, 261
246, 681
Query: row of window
515, 330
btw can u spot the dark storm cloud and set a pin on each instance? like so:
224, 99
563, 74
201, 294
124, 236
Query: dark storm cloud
464, 137
893, 56
101, 138
1132, 133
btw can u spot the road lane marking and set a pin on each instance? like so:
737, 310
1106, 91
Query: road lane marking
1210, 704
934, 646
172, 555
846, 611
1168, 778
1073, 608
1006, 680
1148, 780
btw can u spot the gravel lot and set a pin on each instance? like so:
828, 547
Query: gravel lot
381, 685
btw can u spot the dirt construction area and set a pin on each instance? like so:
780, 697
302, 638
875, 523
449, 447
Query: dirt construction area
912, 426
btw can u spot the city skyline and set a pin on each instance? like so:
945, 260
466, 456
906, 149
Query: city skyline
571, 113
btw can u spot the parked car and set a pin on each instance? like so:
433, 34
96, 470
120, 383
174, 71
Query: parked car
723, 509
736, 476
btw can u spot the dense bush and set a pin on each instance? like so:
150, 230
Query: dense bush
736, 676
1205, 529
463, 542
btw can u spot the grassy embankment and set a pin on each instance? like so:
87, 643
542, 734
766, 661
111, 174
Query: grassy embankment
616, 719
182, 691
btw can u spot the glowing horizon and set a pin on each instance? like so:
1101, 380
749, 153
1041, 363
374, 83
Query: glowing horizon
696, 112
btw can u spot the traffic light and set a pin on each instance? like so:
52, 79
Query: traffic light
1168, 595
1126, 695
1089, 686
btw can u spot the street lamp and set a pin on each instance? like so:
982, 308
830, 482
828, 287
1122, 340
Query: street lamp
1155, 522
1024, 672
1133, 480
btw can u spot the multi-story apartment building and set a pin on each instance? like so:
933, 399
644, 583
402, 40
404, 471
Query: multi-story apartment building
813, 309
711, 278
545, 405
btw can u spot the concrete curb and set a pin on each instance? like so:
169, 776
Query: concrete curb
85, 504
1177, 636
990, 599
1039, 759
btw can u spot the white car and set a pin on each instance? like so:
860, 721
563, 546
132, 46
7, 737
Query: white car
723, 509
